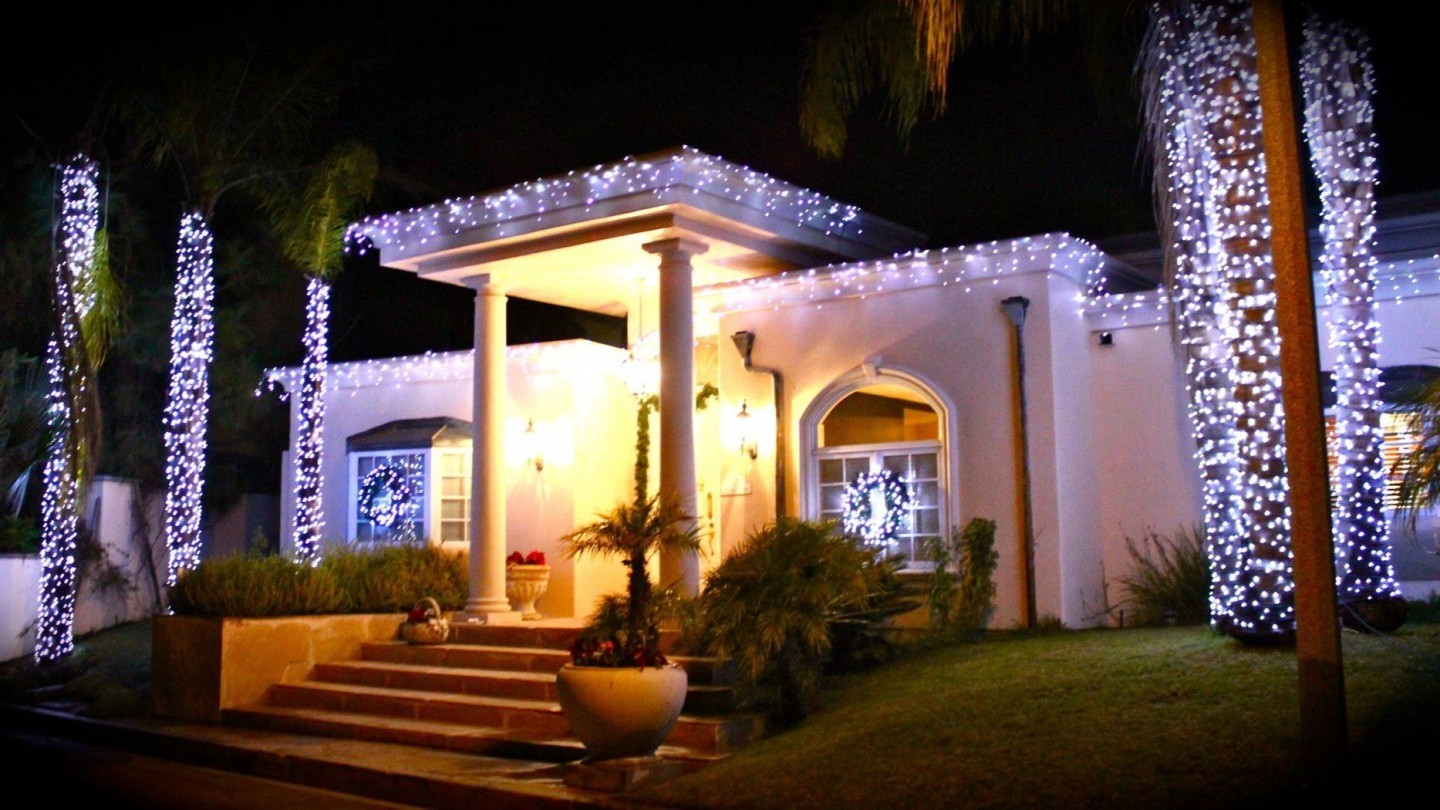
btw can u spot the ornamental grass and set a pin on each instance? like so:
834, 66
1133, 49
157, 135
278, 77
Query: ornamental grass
385, 579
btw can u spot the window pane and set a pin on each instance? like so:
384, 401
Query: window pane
926, 494
924, 465
452, 510
832, 470
452, 530
927, 521
900, 465
452, 487
832, 498
855, 466
452, 464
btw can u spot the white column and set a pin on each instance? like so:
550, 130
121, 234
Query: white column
677, 395
487, 471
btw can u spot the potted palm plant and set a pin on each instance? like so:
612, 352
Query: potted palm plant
619, 693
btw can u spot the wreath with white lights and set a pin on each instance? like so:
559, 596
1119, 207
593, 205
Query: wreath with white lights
385, 496
877, 506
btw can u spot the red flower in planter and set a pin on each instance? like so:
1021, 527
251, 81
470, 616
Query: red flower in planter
533, 558
416, 615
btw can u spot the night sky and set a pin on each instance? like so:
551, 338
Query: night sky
465, 99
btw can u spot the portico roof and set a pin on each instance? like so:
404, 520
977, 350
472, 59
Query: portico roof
576, 239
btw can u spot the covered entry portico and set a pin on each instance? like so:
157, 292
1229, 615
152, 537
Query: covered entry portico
620, 239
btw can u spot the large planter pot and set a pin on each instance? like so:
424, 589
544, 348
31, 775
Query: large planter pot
524, 584
621, 712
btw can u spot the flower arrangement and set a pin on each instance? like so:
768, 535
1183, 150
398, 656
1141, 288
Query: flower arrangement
587, 651
533, 558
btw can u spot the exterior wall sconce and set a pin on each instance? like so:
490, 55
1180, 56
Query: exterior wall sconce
530, 440
743, 427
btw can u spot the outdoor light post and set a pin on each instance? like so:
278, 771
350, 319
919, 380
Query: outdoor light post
1014, 308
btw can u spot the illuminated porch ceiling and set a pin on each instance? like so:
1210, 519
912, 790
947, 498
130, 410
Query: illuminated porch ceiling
576, 239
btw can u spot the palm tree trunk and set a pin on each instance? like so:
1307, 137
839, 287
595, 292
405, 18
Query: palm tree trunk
309, 444
187, 406
1339, 127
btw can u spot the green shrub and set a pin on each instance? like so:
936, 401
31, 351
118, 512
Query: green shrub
386, 579
962, 603
18, 535
1170, 579
774, 606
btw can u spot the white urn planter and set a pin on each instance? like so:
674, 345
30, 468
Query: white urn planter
621, 711
524, 584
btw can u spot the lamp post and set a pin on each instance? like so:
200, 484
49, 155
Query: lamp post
1014, 308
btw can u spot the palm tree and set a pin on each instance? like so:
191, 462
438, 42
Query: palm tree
1420, 481
24, 428
224, 125
636, 533
311, 226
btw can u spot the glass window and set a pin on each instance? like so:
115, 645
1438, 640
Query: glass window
884, 427
454, 496
410, 524
1398, 439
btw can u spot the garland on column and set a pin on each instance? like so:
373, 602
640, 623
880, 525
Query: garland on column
310, 433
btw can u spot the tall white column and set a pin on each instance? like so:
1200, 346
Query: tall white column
487, 471
677, 395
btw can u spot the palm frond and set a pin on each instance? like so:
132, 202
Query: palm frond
1420, 467
311, 223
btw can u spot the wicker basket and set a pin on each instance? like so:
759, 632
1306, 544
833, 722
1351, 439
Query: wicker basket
434, 630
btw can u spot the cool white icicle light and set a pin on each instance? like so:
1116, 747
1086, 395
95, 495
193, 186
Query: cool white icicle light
187, 406
79, 206
1338, 82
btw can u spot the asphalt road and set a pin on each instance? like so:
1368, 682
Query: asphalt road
48, 768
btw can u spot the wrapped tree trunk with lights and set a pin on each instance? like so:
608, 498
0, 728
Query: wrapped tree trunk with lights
311, 222
1205, 116
83, 300
1338, 82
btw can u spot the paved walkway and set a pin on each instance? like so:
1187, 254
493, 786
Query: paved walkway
393, 773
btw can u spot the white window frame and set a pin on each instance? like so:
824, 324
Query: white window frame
352, 510
863, 377
876, 453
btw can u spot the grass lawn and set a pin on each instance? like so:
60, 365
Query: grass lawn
1172, 717
1159, 718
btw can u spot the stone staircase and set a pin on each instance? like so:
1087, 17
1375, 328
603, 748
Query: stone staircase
490, 690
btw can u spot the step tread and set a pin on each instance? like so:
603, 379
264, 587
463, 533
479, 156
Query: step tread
513, 674
448, 735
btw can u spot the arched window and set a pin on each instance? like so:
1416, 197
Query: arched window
883, 425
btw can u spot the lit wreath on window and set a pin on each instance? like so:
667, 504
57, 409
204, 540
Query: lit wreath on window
877, 506
386, 497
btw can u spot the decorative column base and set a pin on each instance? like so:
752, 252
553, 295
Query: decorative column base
473, 614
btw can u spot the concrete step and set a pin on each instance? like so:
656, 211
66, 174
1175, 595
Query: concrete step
520, 718
514, 635
429, 734
699, 699
700, 670
488, 682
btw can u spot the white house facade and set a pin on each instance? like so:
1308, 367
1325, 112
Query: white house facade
837, 347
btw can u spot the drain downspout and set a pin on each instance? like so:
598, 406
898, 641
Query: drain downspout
745, 344
1014, 309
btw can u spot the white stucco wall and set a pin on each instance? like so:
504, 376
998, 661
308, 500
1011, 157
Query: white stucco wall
959, 342
584, 421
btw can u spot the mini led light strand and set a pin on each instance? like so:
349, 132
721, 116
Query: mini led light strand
1217, 201
310, 433
687, 172
67, 372
877, 507
187, 405
967, 268
1338, 82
